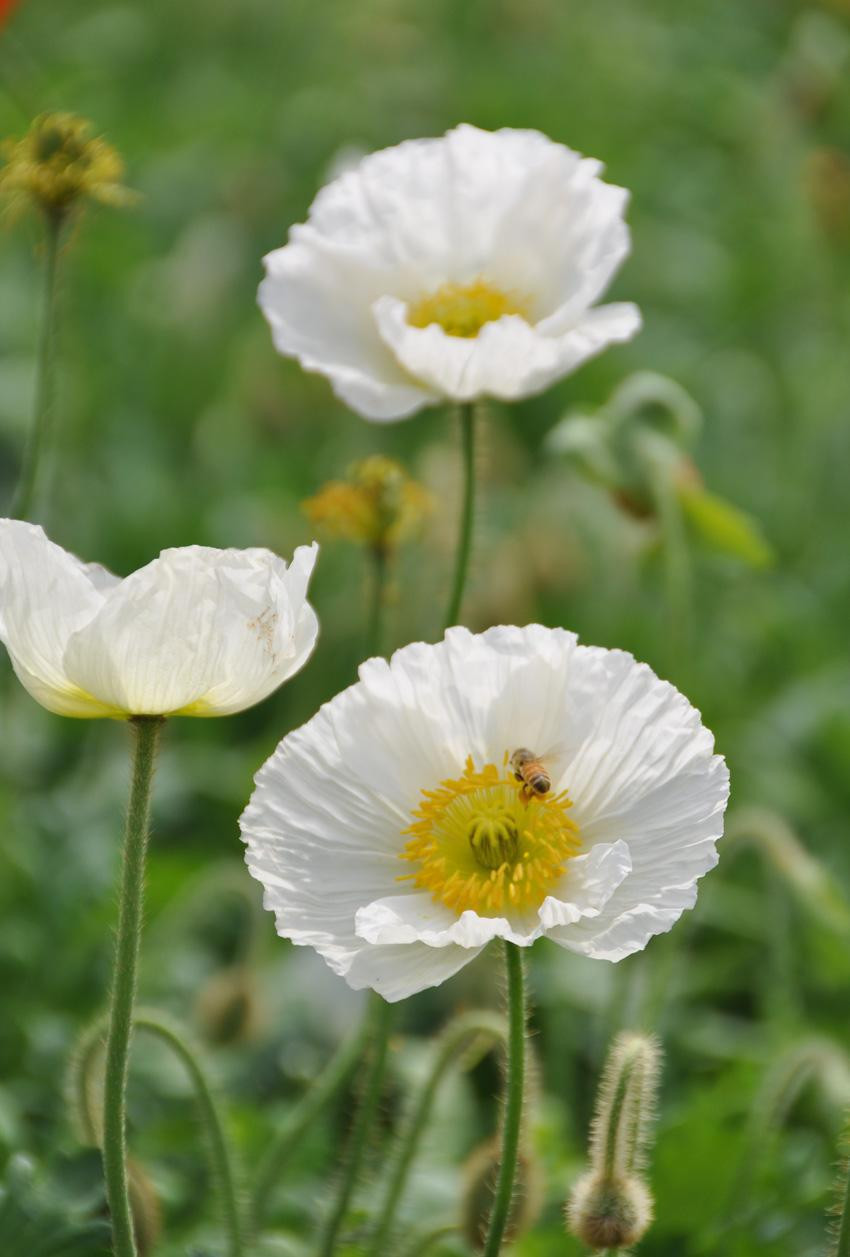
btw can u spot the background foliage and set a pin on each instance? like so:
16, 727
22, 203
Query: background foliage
179, 424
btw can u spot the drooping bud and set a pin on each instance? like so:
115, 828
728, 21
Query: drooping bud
377, 505
57, 164
227, 1007
611, 1205
144, 1206
481, 1173
609, 1212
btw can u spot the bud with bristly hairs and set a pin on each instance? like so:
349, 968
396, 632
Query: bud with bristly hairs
611, 1206
481, 1172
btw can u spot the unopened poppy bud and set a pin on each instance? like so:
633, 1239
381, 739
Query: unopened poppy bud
144, 1206
609, 1212
611, 1206
227, 1007
481, 1173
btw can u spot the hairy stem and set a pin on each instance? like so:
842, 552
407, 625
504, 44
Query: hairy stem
379, 1036
460, 1034
512, 1122
45, 381
329, 1083
220, 1155
146, 730
464, 543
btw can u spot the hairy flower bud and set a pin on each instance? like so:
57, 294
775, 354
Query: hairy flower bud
144, 1205
227, 1007
609, 1212
481, 1173
611, 1206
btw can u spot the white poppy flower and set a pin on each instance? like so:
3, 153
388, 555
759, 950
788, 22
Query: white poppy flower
392, 836
452, 268
198, 632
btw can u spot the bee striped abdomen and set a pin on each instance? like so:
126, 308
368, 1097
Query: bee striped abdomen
528, 769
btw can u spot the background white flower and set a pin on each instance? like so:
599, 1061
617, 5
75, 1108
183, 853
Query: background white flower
198, 632
457, 267
328, 828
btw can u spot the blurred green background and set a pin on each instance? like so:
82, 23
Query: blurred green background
177, 423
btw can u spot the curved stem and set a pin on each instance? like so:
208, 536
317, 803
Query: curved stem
513, 1101
332, 1079
379, 1037
45, 382
82, 1083
460, 1034
464, 543
422, 1243
146, 731
220, 1156
379, 557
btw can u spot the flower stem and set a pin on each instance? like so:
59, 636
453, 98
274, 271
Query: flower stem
332, 1079
45, 382
84, 1086
513, 1101
379, 557
379, 1037
422, 1243
464, 544
146, 730
462, 1033
220, 1155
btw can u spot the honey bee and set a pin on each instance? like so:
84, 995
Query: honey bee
530, 770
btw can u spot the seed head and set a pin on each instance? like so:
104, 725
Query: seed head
377, 505
58, 164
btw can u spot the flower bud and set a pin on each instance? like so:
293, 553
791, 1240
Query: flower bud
611, 1206
481, 1172
144, 1206
227, 1007
608, 1212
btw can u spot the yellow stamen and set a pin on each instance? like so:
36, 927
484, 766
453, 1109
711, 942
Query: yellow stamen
463, 309
465, 842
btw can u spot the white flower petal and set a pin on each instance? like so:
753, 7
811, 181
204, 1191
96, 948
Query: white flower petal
587, 885
196, 632
324, 828
508, 358
46, 595
397, 972
528, 216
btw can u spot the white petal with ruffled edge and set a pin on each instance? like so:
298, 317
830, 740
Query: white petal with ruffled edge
324, 828
528, 216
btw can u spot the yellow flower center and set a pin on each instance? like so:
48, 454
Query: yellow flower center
463, 309
479, 842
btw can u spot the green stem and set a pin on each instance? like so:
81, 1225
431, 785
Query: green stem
84, 1089
146, 730
45, 383
379, 557
464, 544
422, 1243
331, 1081
841, 1245
220, 1156
379, 1037
513, 1101
457, 1036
